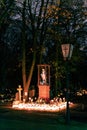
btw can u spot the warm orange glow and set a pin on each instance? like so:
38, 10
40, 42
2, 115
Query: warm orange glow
41, 107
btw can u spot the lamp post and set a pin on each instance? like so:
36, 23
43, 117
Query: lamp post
67, 53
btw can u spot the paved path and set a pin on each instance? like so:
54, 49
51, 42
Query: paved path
25, 125
25, 120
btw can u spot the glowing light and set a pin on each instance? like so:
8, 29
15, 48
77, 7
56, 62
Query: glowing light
41, 107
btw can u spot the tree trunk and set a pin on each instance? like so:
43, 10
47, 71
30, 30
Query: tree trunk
27, 85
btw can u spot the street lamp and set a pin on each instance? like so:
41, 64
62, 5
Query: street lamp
67, 53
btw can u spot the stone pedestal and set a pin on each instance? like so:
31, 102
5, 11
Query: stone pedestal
16, 96
32, 93
44, 81
44, 91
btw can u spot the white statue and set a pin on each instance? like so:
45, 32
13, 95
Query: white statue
43, 76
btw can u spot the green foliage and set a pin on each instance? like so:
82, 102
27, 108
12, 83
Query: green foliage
46, 26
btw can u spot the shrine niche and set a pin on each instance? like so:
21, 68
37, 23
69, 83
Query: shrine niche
44, 81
